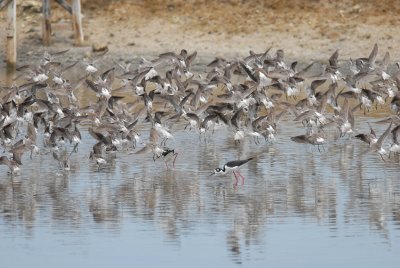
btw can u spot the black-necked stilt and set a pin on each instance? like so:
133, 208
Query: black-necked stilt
232, 166
167, 154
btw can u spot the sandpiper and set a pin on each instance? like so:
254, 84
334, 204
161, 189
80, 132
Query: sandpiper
11, 164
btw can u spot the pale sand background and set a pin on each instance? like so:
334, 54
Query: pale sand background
306, 30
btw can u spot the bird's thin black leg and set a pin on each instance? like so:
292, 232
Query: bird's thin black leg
173, 163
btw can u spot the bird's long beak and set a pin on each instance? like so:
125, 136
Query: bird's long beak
211, 174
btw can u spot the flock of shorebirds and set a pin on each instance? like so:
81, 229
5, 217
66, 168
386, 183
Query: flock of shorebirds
248, 96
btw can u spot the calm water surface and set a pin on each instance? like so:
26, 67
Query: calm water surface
299, 206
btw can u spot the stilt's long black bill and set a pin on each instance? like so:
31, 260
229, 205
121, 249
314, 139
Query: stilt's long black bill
211, 174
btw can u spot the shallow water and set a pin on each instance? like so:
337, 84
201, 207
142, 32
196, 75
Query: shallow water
299, 206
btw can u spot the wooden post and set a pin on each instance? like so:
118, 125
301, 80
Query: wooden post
77, 22
4, 3
65, 5
46, 28
11, 34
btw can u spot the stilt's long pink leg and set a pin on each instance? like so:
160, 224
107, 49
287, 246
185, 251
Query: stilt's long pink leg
166, 164
236, 179
241, 176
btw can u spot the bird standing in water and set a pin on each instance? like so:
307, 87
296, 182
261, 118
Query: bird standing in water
12, 164
167, 154
234, 167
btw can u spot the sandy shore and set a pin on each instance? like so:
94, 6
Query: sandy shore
310, 31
